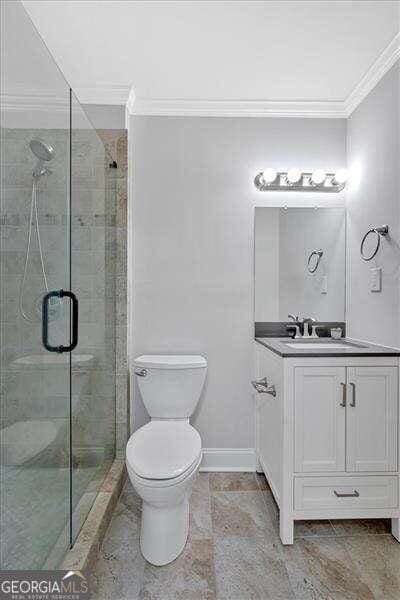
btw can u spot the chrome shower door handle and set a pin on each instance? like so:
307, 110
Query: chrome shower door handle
74, 321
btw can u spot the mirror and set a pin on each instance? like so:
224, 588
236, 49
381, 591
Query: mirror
300, 263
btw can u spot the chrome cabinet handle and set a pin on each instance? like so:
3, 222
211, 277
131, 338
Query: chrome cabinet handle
343, 402
354, 494
262, 386
140, 372
353, 397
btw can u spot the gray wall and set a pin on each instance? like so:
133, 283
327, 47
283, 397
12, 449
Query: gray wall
193, 210
373, 199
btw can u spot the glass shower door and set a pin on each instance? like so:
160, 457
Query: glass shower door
35, 260
93, 265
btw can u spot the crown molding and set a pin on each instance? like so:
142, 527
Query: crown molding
103, 94
125, 96
340, 109
234, 108
35, 102
372, 77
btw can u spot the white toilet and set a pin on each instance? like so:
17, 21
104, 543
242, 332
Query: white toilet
163, 457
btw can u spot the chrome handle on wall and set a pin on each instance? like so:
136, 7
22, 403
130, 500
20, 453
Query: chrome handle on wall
343, 402
353, 396
140, 372
262, 387
354, 494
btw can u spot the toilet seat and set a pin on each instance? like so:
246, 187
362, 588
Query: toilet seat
162, 451
162, 484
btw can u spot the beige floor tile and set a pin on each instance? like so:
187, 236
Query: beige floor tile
200, 526
189, 577
377, 558
245, 569
241, 513
233, 482
322, 569
312, 529
360, 526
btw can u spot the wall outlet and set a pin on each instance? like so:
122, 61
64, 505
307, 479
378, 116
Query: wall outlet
324, 284
376, 279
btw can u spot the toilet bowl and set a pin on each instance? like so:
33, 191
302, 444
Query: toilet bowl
164, 456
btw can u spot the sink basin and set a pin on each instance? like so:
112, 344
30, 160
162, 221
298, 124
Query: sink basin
327, 344
318, 345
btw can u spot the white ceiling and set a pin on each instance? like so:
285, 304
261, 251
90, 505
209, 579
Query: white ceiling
261, 51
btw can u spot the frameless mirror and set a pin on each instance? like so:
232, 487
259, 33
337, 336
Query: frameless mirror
300, 262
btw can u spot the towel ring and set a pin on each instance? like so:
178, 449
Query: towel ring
379, 231
317, 253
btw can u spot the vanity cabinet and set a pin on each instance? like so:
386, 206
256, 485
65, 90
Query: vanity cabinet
328, 441
345, 419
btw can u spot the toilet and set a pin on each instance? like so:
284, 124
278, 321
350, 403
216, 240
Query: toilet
163, 457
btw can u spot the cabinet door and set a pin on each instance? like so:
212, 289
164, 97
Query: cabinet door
320, 417
372, 419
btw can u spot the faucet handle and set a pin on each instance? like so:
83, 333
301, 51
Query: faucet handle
314, 333
294, 318
297, 328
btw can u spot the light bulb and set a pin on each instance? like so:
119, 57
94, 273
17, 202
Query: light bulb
269, 176
294, 176
340, 177
318, 177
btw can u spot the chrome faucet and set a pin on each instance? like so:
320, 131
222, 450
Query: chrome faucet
306, 331
297, 325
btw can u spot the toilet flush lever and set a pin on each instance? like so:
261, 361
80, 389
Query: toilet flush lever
140, 372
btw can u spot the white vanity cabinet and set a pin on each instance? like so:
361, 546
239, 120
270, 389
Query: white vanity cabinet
328, 441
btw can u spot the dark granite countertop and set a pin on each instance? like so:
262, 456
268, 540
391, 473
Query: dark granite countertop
353, 347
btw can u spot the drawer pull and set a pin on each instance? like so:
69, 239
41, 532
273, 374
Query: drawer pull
354, 494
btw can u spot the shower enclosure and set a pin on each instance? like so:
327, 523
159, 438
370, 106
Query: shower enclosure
57, 304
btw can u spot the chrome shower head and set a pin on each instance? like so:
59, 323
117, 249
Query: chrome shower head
44, 153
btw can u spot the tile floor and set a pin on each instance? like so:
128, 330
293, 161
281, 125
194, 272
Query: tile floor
234, 552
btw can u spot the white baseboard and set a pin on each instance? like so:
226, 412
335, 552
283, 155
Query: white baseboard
228, 459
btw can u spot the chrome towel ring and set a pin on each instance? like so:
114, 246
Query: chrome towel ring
318, 254
379, 232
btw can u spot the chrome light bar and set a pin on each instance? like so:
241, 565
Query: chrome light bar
316, 181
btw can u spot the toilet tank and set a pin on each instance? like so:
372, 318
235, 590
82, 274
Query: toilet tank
170, 385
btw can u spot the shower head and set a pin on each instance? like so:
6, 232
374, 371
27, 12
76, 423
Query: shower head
44, 153
41, 150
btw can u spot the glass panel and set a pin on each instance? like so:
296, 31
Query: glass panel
93, 238
35, 401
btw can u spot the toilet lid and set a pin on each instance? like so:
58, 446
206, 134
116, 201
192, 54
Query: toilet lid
163, 449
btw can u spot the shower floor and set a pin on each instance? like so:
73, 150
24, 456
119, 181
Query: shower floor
35, 512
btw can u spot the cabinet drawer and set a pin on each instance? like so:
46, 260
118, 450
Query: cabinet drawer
316, 493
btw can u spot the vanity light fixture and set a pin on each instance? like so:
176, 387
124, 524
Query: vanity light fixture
340, 177
294, 176
318, 177
296, 180
269, 176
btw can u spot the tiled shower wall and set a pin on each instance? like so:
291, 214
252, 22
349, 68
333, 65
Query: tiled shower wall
115, 141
